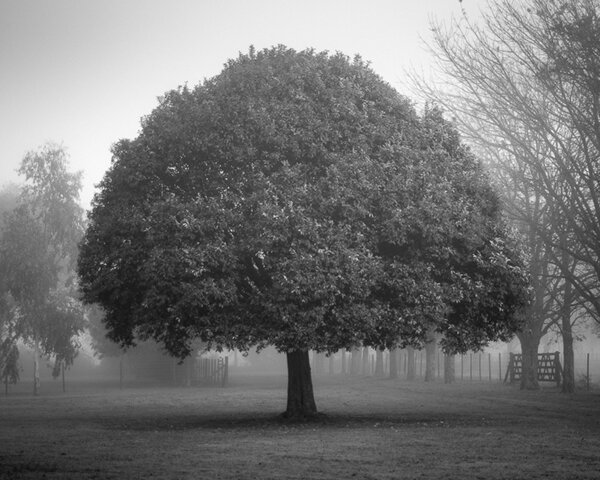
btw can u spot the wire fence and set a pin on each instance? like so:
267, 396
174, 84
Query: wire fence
486, 366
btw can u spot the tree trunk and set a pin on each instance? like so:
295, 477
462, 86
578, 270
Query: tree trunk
355, 361
300, 401
344, 369
366, 370
401, 361
430, 351
448, 368
379, 363
568, 378
331, 364
36, 369
529, 349
393, 363
121, 371
410, 364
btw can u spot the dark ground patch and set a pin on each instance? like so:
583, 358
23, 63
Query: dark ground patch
371, 428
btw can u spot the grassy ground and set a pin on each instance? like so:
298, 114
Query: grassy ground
373, 428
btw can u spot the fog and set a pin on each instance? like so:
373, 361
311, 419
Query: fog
147, 364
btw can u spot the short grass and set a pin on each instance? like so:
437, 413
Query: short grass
373, 429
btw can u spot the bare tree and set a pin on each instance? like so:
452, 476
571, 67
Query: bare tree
524, 87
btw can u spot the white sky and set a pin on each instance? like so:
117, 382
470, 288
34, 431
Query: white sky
83, 72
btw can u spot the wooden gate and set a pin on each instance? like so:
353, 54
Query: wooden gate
212, 371
549, 368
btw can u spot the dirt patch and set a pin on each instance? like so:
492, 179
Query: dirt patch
372, 429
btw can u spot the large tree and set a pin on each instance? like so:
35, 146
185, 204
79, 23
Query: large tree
297, 200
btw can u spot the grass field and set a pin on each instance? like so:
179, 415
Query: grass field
372, 429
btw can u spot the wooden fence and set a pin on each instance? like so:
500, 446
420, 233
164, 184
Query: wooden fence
549, 368
211, 371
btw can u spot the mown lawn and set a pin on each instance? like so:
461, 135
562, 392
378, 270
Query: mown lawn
373, 429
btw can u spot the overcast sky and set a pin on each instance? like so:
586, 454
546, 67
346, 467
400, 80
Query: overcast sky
83, 72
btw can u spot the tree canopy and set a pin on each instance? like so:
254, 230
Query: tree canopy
298, 200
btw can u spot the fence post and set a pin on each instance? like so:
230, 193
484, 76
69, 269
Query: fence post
557, 368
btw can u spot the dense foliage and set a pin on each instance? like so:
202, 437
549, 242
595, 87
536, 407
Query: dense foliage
298, 200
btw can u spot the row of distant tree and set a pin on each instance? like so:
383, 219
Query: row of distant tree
523, 85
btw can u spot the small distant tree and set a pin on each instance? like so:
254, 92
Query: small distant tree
9, 351
449, 372
9, 374
411, 368
299, 201
394, 362
38, 250
379, 367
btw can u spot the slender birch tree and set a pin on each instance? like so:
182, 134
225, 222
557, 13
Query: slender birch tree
37, 256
